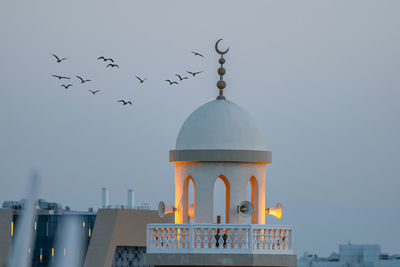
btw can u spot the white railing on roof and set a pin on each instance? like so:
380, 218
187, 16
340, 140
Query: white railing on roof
219, 238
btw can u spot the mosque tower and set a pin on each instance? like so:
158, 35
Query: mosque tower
220, 140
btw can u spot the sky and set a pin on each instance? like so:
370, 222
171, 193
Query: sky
321, 79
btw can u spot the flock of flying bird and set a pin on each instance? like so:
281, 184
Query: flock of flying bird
114, 65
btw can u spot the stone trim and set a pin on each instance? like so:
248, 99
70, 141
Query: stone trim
220, 155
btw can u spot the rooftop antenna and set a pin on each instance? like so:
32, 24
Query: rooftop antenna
221, 71
104, 198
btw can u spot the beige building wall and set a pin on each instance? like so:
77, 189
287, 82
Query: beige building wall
5, 235
119, 227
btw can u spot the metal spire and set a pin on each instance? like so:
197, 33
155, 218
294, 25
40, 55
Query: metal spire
221, 71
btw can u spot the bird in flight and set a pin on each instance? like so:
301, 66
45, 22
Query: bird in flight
60, 77
180, 77
170, 82
66, 86
106, 59
59, 59
141, 80
194, 73
82, 80
124, 102
112, 65
94, 92
197, 54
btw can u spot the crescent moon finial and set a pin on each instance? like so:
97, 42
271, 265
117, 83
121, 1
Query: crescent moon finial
219, 51
221, 84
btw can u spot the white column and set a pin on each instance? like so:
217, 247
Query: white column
238, 188
180, 196
204, 198
261, 198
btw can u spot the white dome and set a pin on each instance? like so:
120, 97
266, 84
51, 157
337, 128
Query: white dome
220, 124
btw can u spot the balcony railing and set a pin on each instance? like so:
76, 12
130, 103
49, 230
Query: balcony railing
219, 238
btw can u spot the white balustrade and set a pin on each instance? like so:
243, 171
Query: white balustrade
219, 238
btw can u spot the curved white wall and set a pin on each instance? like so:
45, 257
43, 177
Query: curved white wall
204, 176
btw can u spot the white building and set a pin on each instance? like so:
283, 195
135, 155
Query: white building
219, 140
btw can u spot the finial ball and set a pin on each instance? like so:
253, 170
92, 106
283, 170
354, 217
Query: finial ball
221, 84
221, 71
221, 60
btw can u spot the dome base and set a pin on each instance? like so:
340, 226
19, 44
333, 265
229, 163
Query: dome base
220, 155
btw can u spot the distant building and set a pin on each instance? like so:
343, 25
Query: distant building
47, 227
109, 237
352, 256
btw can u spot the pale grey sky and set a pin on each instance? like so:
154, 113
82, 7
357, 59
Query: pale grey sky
321, 78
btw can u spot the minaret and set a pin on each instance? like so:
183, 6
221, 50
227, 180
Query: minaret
219, 140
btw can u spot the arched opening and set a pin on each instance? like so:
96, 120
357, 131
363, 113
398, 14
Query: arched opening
252, 196
221, 199
189, 197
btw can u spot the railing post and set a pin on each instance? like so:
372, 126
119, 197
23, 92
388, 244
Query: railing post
250, 240
213, 239
198, 238
175, 238
206, 240
191, 236
236, 238
159, 238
